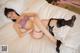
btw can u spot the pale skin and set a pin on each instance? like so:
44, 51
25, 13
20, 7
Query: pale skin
34, 20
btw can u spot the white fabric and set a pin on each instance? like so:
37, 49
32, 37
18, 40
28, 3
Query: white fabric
65, 49
27, 44
3, 19
47, 11
73, 37
18, 5
69, 36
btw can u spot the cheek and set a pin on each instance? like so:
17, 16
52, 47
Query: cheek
9, 16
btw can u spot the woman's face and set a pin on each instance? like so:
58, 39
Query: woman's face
12, 15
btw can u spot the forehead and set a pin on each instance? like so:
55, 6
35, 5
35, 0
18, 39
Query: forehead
11, 12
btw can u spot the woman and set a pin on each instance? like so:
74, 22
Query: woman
29, 22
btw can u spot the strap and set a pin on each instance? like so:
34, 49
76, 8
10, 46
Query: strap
58, 43
50, 27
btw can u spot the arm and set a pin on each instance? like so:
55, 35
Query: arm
17, 28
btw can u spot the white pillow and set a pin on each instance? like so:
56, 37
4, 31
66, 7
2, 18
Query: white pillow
3, 20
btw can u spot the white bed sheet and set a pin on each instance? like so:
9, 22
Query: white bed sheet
45, 11
8, 36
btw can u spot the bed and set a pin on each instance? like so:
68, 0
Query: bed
69, 36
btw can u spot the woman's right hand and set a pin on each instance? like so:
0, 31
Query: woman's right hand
20, 33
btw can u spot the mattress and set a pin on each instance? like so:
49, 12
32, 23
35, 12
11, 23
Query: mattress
69, 36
